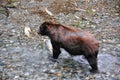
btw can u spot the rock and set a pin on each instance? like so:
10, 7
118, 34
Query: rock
117, 49
112, 78
58, 74
52, 71
118, 45
104, 49
93, 10
118, 76
26, 73
93, 26
16, 77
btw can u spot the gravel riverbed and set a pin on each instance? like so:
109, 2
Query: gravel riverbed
26, 58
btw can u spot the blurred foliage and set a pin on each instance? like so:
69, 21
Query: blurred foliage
4, 10
4, 5
6, 2
118, 7
78, 24
64, 6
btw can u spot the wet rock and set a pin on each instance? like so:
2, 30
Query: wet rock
112, 78
118, 77
16, 77
2, 63
27, 74
117, 49
104, 49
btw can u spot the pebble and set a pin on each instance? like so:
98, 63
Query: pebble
4, 49
58, 74
93, 10
117, 49
104, 49
118, 77
118, 45
26, 73
11, 41
93, 26
16, 77
1, 68
45, 70
52, 71
112, 78
104, 40
87, 78
13, 30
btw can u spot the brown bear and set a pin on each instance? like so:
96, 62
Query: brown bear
74, 41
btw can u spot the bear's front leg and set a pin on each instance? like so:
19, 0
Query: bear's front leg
56, 51
93, 63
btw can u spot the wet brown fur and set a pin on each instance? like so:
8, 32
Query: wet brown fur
74, 41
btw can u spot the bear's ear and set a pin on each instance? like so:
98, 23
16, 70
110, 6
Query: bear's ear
45, 24
52, 21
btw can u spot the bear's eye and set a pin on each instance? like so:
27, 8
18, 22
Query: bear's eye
44, 28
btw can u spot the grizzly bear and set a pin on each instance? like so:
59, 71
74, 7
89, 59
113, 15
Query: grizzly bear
74, 41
